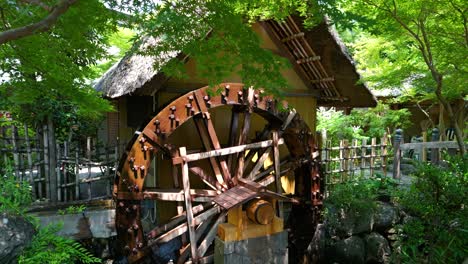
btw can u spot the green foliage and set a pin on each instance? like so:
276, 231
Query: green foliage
361, 123
48, 247
359, 194
72, 210
437, 232
15, 195
49, 72
218, 36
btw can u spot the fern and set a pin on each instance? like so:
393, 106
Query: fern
48, 247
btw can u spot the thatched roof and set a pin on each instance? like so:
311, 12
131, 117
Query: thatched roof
132, 72
334, 78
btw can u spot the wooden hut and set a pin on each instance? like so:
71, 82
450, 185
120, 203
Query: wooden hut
323, 74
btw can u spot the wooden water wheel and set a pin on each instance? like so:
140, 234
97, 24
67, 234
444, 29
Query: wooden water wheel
227, 168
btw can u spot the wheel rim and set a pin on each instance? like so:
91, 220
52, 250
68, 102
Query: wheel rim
228, 172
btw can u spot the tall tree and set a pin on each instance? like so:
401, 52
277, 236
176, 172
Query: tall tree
46, 72
427, 44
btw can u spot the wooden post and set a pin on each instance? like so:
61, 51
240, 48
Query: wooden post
59, 174
424, 150
5, 155
397, 153
383, 153
88, 157
108, 167
372, 157
345, 160
188, 204
52, 160
16, 162
341, 160
363, 156
77, 173
30, 162
65, 171
46, 161
276, 161
328, 162
40, 164
354, 148
435, 151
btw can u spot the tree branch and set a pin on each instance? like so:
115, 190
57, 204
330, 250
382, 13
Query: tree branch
41, 26
38, 3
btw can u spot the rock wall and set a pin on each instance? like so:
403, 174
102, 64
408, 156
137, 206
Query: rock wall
15, 234
357, 237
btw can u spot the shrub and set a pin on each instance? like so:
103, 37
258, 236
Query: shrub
15, 195
437, 232
48, 247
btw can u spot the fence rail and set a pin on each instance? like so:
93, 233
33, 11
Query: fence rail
58, 172
342, 163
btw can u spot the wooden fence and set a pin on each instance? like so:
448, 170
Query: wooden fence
58, 172
422, 151
347, 160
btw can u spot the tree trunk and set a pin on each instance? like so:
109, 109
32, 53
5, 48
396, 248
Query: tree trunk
453, 121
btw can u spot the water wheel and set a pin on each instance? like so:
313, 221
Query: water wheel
243, 145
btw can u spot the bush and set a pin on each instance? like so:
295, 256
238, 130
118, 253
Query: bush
48, 247
437, 232
15, 196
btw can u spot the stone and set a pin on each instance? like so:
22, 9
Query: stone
385, 216
350, 250
15, 234
377, 249
345, 223
316, 249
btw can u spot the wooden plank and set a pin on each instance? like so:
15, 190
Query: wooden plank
230, 150
175, 221
53, 159
212, 135
276, 162
431, 144
46, 161
65, 171
205, 244
188, 204
59, 173
233, 134
77, 173
196, 195
199, 123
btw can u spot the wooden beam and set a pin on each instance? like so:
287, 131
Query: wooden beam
328, 79
168, 195
308, 59
227, 151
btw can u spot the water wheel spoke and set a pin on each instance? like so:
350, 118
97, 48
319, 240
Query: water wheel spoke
207, 179
208, 240
176, 220
167, 232
233, 135
201, 127
185, 252
244, 134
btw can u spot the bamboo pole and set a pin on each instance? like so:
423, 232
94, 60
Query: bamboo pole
15, 152
88, 156
372, 157
363, 156
77, 173
65, 171
46, 161
30, 162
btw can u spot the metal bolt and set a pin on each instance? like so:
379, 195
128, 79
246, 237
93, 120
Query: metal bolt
140, 245
206, 98
135, 188
134, 251
173, 108
142, 167
190, 98
131, 159
121, 204
156, 122
135, 227
130, 231
142, 140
